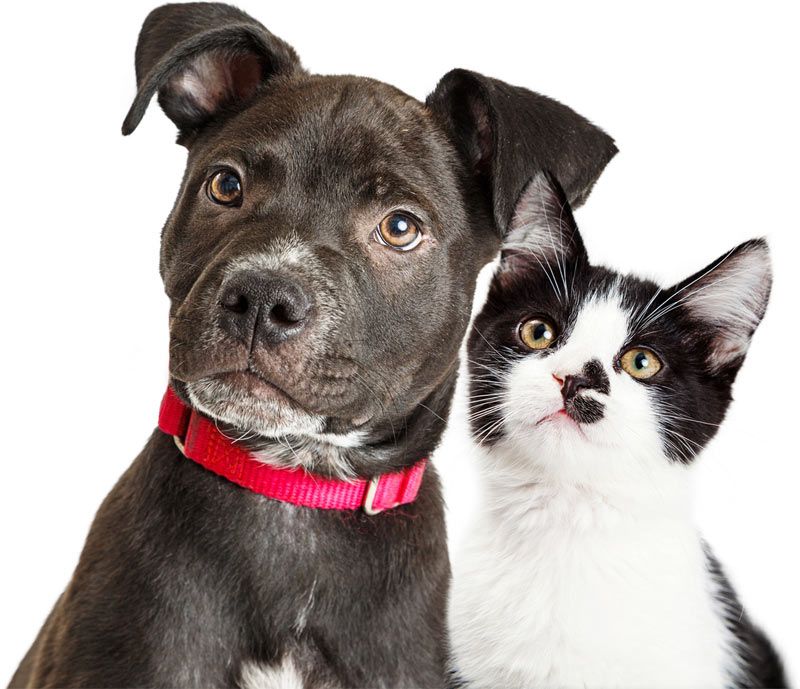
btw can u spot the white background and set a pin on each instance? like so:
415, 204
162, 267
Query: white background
703, 103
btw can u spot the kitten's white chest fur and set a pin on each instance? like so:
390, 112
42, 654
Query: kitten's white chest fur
563, 589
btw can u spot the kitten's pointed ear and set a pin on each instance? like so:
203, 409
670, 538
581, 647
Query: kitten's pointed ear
507, 134
728, 299
542, 230
203, 59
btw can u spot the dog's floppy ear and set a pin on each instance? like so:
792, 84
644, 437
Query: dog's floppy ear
507, 134
203, 59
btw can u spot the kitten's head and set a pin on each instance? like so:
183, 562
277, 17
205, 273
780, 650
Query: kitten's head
574, 366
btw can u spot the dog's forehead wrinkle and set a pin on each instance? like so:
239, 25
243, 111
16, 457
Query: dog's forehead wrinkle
313, 111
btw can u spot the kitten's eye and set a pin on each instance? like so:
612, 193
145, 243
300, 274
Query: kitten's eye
225, 188
537, 333
398, 231
640, 363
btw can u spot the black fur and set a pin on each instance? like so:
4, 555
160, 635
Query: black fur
184, 576
761, 664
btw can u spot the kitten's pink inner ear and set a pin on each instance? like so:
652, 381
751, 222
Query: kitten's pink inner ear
730, 297
217, 78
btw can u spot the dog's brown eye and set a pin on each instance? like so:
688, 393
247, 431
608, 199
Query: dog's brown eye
537, 333
399, 231
225, 187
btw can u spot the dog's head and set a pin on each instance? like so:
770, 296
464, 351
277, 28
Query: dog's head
322, 252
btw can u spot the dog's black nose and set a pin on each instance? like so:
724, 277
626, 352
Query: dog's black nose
263, 306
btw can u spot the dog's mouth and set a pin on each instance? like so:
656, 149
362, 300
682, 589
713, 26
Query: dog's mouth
247, 401
258, 386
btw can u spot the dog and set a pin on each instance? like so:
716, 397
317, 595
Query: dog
320, 262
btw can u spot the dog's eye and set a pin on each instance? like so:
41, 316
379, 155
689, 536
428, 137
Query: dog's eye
537, 333
398, 231
640, 363
225, 188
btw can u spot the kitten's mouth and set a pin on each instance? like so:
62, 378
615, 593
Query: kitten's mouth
555, 416
561, 417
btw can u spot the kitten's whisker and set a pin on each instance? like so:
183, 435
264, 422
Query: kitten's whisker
672, 417
481, 413
698, 278
556, 250
549, 274
485, 399
424, 406
477, 330
663, 310
484, 434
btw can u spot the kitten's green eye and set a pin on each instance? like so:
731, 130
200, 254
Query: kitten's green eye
640, 363
537, 333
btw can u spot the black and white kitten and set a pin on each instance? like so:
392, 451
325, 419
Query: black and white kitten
591, 394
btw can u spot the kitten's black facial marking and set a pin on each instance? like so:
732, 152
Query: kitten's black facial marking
596, 376
580, 407
585, 409
700, 329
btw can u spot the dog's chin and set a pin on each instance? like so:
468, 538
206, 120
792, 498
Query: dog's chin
252, 406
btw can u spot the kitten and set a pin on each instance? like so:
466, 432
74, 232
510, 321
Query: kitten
591, 394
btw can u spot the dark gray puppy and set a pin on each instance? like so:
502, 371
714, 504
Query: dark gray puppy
320, 260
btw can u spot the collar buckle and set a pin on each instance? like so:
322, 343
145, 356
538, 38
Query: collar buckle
369, 499
179, 444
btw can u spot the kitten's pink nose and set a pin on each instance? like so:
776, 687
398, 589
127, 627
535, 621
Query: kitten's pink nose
558, 380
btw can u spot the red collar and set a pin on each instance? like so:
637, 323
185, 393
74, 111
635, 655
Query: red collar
200, 440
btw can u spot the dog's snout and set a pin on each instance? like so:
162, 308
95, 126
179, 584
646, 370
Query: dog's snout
261, 306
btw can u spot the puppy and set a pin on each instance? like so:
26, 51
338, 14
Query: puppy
320, 262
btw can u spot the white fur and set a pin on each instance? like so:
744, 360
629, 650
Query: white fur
584, 568
285, 251
344, 440
266, 418
283, 676
302, 615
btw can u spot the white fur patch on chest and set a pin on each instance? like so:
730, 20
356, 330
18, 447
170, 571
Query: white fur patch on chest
282, 676
582, 595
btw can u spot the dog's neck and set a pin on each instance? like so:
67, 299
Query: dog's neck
392, 445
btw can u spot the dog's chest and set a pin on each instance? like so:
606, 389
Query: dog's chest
599, 601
